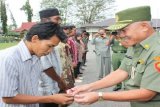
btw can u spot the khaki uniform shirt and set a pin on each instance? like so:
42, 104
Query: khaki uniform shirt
117, 47
100, 46
142, 62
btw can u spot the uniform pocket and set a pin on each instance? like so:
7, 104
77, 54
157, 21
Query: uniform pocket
139, 70
128, 65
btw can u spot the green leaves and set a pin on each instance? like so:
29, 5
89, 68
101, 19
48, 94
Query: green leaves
80, 11
3, 17
28, 10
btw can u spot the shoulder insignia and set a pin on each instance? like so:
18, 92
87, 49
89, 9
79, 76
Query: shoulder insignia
141, 61
157, 58
146, 46
157, 66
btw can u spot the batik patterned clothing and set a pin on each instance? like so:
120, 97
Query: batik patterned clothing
73, 50
66, 62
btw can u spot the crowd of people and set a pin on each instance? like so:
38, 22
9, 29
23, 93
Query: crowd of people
42, 69
65, 60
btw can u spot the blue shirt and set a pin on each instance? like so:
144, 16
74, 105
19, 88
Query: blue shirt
48, 86
19, 74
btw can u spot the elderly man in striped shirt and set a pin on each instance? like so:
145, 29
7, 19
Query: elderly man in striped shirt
21, 68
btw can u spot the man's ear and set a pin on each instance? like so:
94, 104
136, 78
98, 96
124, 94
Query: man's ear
34, 38
145, 26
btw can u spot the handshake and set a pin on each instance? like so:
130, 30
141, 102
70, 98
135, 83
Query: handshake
81, 94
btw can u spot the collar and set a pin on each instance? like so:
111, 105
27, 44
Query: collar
148, 42
24, 51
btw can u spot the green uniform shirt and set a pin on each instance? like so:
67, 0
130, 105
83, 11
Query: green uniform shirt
85, 41
117, 47
141, 62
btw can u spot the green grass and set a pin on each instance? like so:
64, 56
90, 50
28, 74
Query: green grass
6, 45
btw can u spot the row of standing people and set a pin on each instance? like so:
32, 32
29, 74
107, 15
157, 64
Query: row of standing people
65, 59
34, 57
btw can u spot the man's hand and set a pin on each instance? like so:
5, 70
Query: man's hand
62, 98
28, 99
107, 43
74, 65
86, 98
78, 89
96, 35
62, 85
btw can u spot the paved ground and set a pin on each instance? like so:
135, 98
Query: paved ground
90, 74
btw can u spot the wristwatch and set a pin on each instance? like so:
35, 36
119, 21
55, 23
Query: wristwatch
100, 96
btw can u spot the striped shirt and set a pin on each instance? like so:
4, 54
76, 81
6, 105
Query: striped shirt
48, 86
19, 74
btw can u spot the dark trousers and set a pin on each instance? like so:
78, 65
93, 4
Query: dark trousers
48, 105
84, 57
77, 70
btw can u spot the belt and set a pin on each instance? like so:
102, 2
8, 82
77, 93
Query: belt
119, 51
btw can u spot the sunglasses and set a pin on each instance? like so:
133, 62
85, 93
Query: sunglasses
118, 32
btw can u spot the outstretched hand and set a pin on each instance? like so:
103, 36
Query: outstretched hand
78, 89
63, 98
86, 98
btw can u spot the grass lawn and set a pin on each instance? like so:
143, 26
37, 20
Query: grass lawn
6, 45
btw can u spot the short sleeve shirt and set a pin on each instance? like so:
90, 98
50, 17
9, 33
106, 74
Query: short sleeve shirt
19, 74
47, 86
141, 63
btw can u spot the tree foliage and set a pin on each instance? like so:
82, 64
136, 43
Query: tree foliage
63, 6
3, 17
82, 11
89, 11
28, 10
14, 25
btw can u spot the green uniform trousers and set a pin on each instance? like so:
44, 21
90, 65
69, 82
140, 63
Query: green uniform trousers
116, 62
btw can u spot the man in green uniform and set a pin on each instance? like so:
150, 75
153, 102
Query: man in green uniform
140, 68
117, 56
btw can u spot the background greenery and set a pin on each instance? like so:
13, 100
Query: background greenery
6, 45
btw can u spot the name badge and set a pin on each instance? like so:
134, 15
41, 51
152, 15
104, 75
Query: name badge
133, 72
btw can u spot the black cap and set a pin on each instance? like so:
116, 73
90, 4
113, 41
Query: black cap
48, 13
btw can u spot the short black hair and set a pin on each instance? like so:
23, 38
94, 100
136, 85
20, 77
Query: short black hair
46, 30
84, 31
87, 33
68, 26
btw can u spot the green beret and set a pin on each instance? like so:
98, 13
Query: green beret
131, 15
